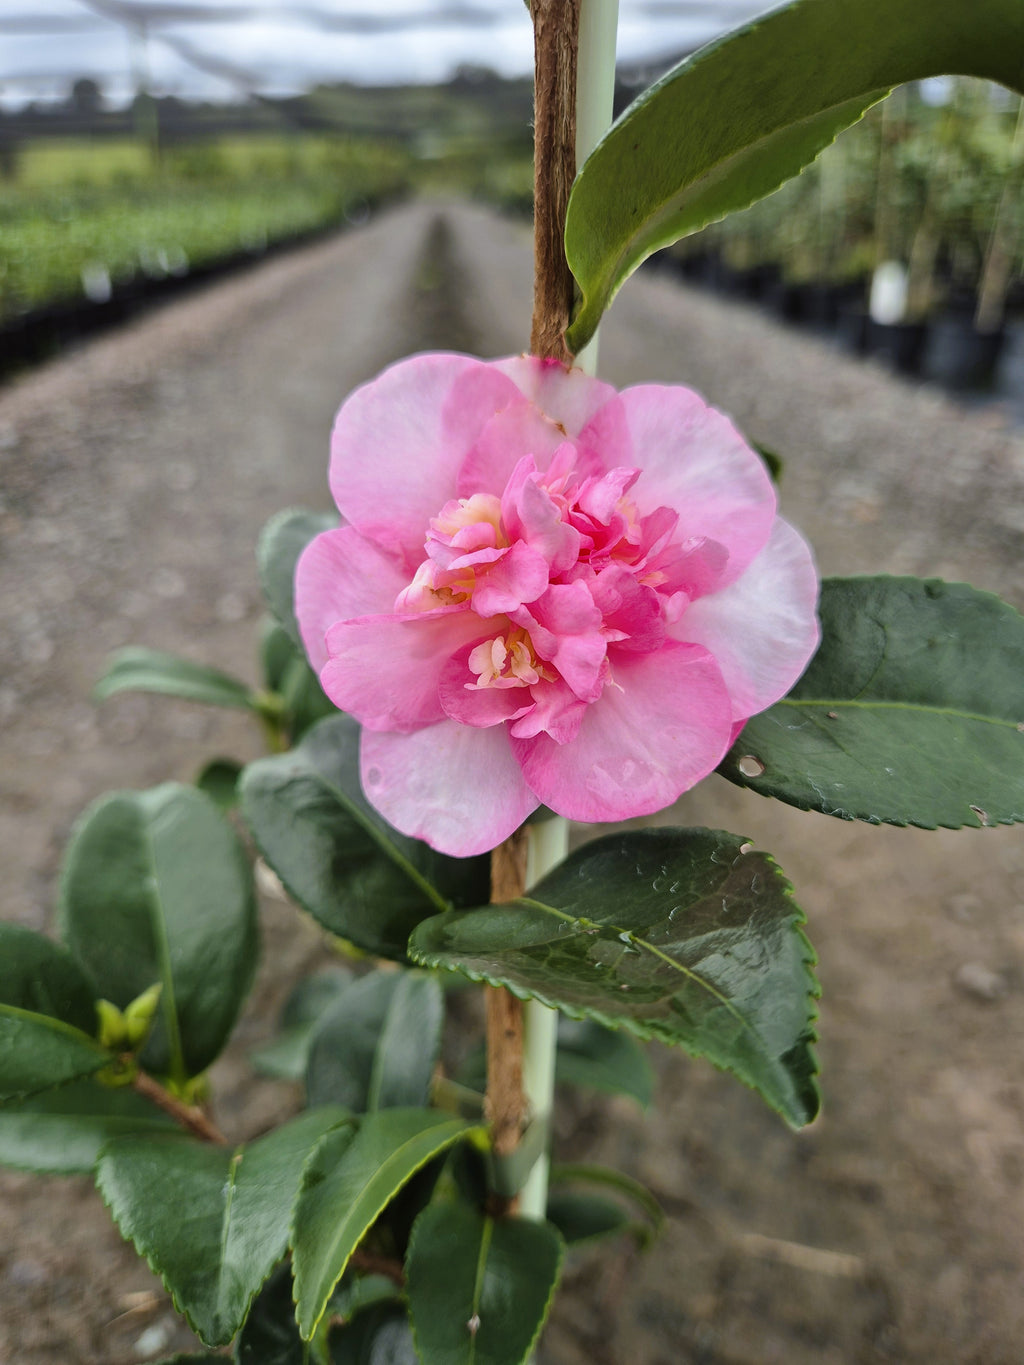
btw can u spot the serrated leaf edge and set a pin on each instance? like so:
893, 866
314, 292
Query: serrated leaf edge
795, 922
464, 1131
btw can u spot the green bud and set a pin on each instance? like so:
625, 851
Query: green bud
138, 1016
113, 1030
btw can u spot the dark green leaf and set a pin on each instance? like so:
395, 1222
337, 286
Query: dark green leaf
747, 112
479, 1288
377, 1045
277, 652
773, 462
911, 712
356, 1293
192, 1358
304, 699
346, 1184
281, 542
590, 1054
211, 1221
47, 1016
668, 933
219, 780
61, 1132
41, 977
589, 1217
568, 1176
270, 1335
583, 1215
359, 877
156, 888
137, 669
379, 1336
286, 1056
37, 1052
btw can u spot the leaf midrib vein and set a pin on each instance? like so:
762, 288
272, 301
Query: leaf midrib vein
384, 844
871, 704
685, 971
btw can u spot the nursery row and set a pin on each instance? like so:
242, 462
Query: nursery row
92, 236
907, 234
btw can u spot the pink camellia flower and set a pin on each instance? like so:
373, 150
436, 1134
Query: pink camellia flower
547, 591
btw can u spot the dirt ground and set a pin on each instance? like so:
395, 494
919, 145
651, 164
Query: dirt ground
134, 477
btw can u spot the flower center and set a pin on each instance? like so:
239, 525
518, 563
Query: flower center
506, 661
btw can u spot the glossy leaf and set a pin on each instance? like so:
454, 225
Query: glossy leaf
668, 933
156, 888
304, 699
286, 1056
911, 712
744, 114
582, 1218
61, 1132
270, 1334
377, 1045
379, 1336
591, 1055
211, 1221
479, 1288
47, 1016
281, 542
277, 651
218, 780
350, 1178
39, 976
137, 669
359, 877
587, 1202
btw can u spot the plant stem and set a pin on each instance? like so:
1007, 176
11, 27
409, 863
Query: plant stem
191, 1118
505, 1104
595, 93
555, 38
521, 1044
548, 845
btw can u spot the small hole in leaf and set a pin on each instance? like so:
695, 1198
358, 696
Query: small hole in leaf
1020, 726
981, 814
750, 766
746, 848
832, 715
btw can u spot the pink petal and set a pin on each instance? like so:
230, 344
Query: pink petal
384, 670
477, 706
517, 430
399, 441
340, 575
693, 460
761, 629
458, 788
521, 575
659, 727
569, 397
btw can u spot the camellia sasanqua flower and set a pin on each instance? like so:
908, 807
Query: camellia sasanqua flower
545, 591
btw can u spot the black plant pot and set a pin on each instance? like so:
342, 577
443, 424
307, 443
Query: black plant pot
960, 356
899, 344
852, 327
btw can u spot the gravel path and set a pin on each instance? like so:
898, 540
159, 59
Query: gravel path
134, 477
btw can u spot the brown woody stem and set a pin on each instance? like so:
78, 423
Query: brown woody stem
556, 28
505, 1105
188, 1116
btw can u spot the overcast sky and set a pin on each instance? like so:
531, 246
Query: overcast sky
280, 46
